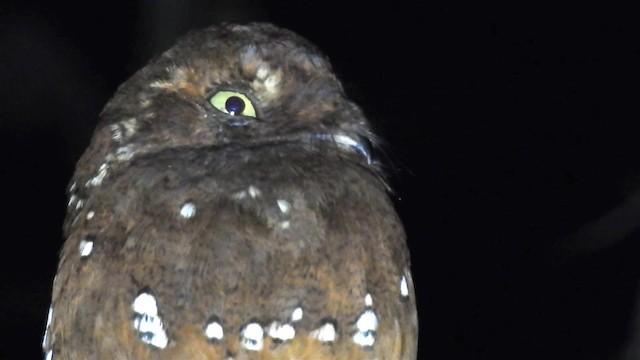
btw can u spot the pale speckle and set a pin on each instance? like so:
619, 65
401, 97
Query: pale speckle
254, 192
73, 187
239, 195
145, 103
91, 214
160, 84
147, 323
284, 206
130, 126
49, 355
97, 180
188, 210
297, 314
214, 331
368, 300
46, 331
124, 153
123, 129
79, 204
325, 333
271, 83
281, 332
85, 248
285, 224
116, 133
263, 71
72, 200
252, 337
366, 324
404, 289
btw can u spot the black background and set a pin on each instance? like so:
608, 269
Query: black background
509, 130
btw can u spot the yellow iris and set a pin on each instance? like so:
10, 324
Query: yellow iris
233, 103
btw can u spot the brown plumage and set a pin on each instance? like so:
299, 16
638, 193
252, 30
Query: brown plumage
197, 229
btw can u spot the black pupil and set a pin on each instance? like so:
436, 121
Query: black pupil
234, 105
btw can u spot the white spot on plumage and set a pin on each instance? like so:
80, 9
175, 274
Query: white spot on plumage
284, 206
124, 153
254, 191
282, 332
123, 129
325, 333
404, 289
263, 71
91, 214
364, 339
97, 180
72, 200
367, 321
214, 331
160, 84
368, 300
79, 204
151, 331
49, 355
239, 195
271, 83
73, 187
366, 325
188, 210
116, 133
297, 314
285, 224
146, 304
252, 337
147, 323
130, 126
85, 248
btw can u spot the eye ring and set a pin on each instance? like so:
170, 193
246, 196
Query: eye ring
233, 103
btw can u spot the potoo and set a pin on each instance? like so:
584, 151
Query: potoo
229, 207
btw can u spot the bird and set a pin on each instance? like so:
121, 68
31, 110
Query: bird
230, 206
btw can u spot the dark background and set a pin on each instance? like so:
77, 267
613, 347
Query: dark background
512, 144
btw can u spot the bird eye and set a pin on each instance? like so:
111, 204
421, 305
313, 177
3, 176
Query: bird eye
233, 103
